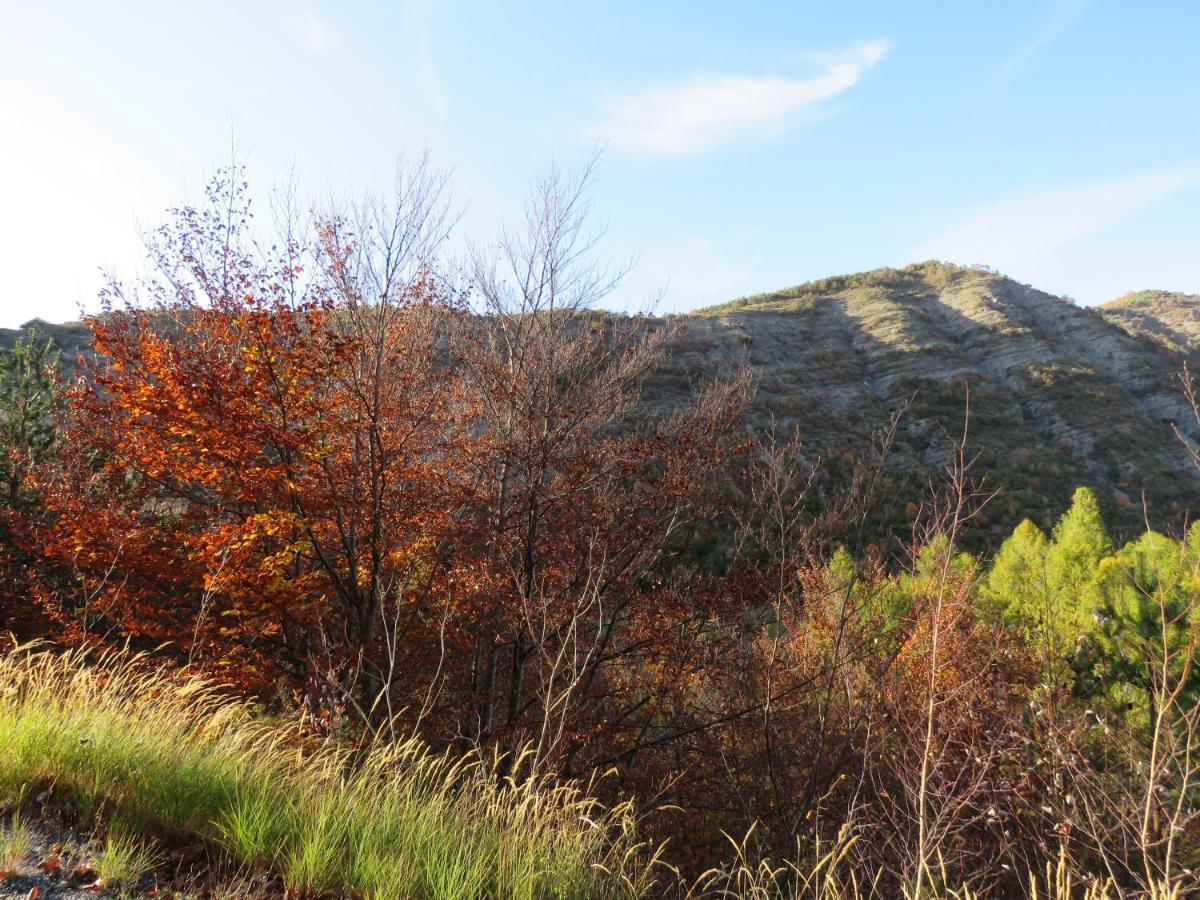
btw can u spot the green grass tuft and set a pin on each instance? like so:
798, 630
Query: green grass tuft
16, 843
123, 861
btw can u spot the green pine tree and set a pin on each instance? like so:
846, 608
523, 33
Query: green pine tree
1148, 593
1016, 583
1046, 587
1017, 591
1078, 544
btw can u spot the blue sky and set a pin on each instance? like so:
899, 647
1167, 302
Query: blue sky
749, 146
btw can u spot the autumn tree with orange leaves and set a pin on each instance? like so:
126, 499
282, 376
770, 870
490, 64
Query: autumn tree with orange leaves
257, 474
312, 466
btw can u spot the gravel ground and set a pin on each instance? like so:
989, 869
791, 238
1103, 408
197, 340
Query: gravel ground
72, 852
186, 872
21, 886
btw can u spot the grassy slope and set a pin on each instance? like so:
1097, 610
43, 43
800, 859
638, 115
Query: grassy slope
171, 757
165, 757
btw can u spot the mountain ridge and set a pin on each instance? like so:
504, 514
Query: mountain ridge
1170, 318
1060, 395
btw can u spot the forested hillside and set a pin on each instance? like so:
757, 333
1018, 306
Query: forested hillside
528, 597
380, 523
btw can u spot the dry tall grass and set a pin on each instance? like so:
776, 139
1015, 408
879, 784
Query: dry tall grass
823, 876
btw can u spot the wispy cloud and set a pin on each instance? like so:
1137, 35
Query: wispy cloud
311, 31
1062, 15
1022, 232
708, 110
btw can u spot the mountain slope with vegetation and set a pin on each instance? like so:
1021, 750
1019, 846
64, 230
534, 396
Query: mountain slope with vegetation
628, 557
70, 338
1169, 318
1060, 395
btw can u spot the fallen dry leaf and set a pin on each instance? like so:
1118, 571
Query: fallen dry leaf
51, 864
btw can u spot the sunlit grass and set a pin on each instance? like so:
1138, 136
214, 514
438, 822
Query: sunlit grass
16, 843
123, 861
167, 756
821, 873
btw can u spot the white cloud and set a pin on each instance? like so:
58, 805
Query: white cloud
708, 111
1026, 231
1062, 15
311, 31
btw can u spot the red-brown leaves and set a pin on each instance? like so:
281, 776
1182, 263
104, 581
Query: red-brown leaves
260, 470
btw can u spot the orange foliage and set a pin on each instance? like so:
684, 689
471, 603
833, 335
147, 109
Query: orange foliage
257, 460
312, 470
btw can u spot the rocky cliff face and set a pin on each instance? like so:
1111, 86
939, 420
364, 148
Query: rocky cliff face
1060, 395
